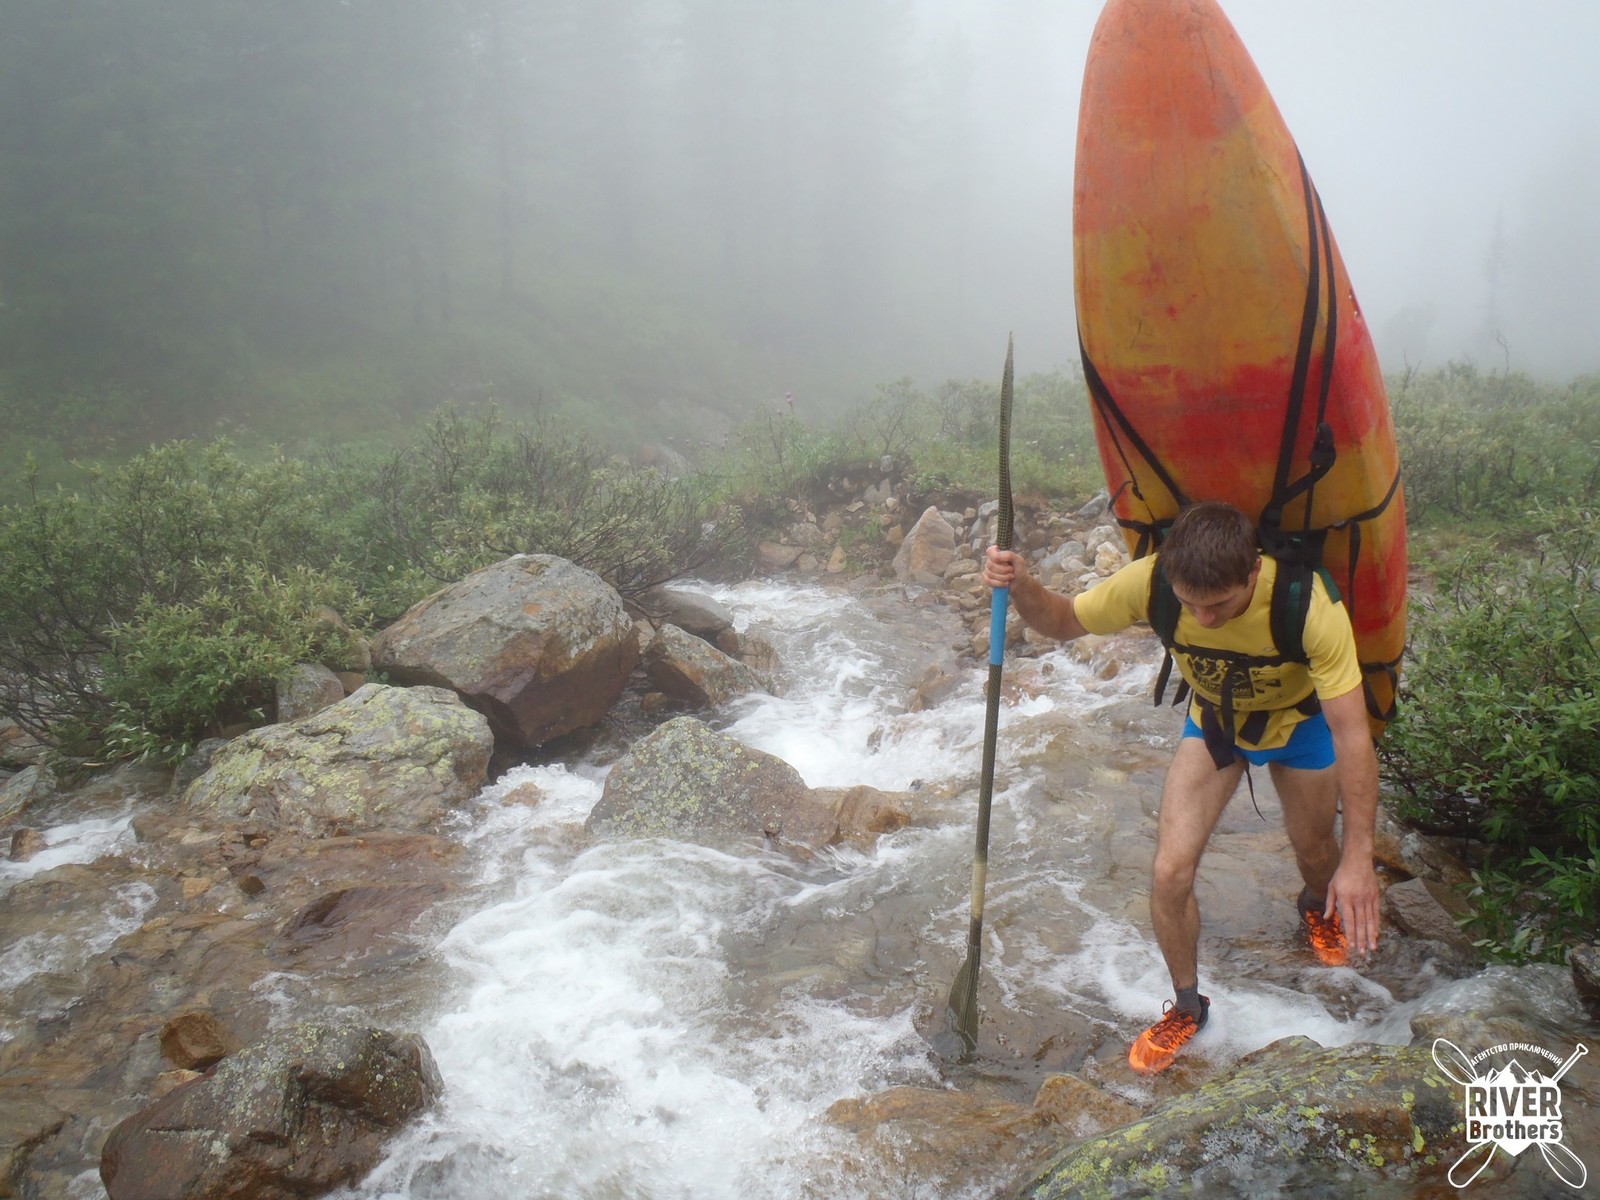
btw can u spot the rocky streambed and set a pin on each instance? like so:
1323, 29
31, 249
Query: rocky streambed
696, 948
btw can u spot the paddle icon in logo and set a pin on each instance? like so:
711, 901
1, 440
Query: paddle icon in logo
1511, 1108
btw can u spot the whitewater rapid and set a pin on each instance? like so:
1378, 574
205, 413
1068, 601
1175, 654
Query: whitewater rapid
659, 1019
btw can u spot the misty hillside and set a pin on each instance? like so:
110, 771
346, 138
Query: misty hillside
662, 209
310, 217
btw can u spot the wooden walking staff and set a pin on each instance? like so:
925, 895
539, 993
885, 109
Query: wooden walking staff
960, 1038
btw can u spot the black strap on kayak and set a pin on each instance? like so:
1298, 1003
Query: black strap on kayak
1391, 671
1391, 668
1321, 307
1120, 427
1323, 451
1299, 551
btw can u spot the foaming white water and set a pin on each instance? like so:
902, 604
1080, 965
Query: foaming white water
842, 718
88, 933
1123, 965
601, 1044
655, 1019
73, 842
50, 960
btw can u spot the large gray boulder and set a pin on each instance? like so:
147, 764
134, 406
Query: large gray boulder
685, 780
694, 612
383, 758
307, 689
1426, 909
539, 645
305, 1111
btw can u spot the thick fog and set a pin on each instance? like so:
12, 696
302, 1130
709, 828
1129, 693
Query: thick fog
1455, 143
662, 206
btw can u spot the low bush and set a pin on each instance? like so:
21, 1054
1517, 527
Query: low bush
471, 492
775, 458
1489, 445
177, 671
163, 599
177, 545
1498, 736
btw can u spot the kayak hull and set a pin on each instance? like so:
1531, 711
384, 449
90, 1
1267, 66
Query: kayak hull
1218, 325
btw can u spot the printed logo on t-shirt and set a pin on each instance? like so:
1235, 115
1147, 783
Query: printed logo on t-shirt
1208, 674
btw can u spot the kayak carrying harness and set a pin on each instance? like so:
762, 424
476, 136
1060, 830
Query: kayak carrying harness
1299, 552
1292, 588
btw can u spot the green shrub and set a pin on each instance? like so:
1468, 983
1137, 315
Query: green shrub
1498, 735
943, 441
895, 422
164, 598
177, 672
1488, 445
470, 493
776, 463
171, 542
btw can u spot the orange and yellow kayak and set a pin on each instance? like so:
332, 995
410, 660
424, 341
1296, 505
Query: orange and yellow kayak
1218, 326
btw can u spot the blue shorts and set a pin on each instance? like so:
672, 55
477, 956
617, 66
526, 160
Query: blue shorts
1310, 746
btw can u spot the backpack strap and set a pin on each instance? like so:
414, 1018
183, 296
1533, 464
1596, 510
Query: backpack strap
1162, 611
1299, 559
1163, 607
1292, 588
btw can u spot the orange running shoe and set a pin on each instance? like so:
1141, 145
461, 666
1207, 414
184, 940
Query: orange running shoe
1155, 1048
1324, 934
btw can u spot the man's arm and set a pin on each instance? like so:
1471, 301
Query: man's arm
1047, 612
1354, 890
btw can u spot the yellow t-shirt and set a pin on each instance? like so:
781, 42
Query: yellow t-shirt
1124, 599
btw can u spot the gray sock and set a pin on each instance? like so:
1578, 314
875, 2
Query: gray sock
1189, 1000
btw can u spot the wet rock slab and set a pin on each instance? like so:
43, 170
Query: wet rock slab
298, 1114
383, 758
1382, 1112
336, 923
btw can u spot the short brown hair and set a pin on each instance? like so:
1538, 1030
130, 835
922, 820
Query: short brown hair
1211, 547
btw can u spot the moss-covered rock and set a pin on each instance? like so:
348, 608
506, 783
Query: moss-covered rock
294, 1116
383, 758
686, 780
1362, 1112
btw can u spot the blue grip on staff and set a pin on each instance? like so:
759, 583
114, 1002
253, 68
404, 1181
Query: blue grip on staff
997, 625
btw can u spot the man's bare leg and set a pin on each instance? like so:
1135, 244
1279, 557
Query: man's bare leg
1310, 808
1192, 800
1310, 805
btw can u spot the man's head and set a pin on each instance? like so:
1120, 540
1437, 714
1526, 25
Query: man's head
1211, 559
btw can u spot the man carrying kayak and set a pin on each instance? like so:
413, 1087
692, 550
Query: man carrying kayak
1307, 721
